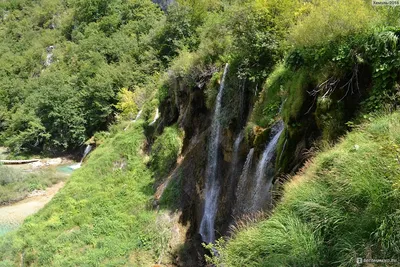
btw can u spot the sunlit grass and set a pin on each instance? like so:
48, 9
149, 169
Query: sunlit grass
103, 216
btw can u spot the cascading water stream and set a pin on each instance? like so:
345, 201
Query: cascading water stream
235, 155
49, 56
264, 168
138, 115
156, 117
242, 188
85, 153
212, 187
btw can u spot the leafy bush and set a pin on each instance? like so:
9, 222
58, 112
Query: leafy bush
126, 105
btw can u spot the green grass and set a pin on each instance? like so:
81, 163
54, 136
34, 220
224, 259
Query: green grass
344, 205
165, 151
102, 217
16, 184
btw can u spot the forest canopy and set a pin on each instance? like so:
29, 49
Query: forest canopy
65, 64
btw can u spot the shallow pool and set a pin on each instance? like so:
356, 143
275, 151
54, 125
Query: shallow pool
65, 169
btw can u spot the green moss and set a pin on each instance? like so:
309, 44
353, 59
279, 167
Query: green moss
267, 106
330, 118
296, 91
212, 90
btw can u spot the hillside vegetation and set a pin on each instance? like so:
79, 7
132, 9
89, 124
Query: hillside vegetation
63, 63
103, 216
342, 206
82, 71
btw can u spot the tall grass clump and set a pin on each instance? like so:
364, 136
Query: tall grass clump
102, 217
344, 205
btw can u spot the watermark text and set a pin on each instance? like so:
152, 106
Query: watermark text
361, 260
385, 2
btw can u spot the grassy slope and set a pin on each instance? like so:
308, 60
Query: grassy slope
344, 205
103, 216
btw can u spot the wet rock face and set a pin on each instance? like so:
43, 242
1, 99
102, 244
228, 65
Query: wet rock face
192, 172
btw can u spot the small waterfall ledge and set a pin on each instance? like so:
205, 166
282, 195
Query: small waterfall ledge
85, 153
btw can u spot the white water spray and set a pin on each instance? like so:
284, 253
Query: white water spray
212, 187
242, 187
85, 153
49, 56
138, 115
262, 186
236, 147
156, 117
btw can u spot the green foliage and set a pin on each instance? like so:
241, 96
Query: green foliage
247, 34
171, 195
126, 105
343, 206
94, 47
343, 58
325, 21
165, 151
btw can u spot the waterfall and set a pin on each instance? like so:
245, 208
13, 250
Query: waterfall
235, 155
265, 168
138, 115
212, 187
85, 153
49, 56
156, 117
243, 183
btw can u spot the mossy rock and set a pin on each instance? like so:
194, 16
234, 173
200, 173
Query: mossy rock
261, 136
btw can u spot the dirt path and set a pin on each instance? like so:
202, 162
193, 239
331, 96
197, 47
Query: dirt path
12, 216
